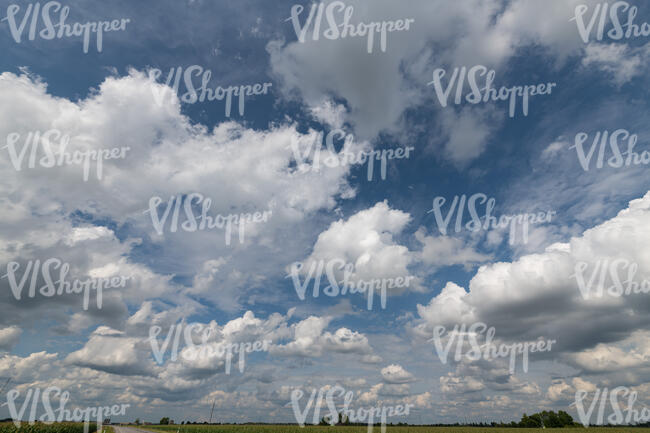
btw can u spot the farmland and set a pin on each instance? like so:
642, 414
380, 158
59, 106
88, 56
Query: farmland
39, 427
264, 428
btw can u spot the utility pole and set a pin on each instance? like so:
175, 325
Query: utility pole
213, 402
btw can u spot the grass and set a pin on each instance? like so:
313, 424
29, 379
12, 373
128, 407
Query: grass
39, 427
254, 428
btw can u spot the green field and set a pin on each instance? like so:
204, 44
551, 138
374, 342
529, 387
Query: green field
39, 427
253, 428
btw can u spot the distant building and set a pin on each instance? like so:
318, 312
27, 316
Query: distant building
171, 421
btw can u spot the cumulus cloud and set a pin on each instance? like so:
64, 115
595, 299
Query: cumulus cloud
467, 33
108, 350
105, 228
9, 337
168, 157
456, 384
310, 340
449, 306
395, 373
540, 295
366, 240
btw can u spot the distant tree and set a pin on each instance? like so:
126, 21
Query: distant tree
565, 418
137, 421
547, 419
164, 421
550, 419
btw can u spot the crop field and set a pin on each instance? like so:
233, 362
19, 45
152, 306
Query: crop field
255, 428
39, 427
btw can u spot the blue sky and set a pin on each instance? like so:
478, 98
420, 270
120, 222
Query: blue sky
384, 228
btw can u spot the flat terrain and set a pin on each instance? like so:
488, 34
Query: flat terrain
253, 428
121, 429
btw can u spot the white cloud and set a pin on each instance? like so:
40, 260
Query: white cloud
9, 337
379, 87
29, 368
311, 340
456, 384
632, 352
440, 251
168, 156
108, 350
467, 132
560, 390
395, 373
618, 60
554, 148
366, 240
538, 295
449, 306
330, 113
